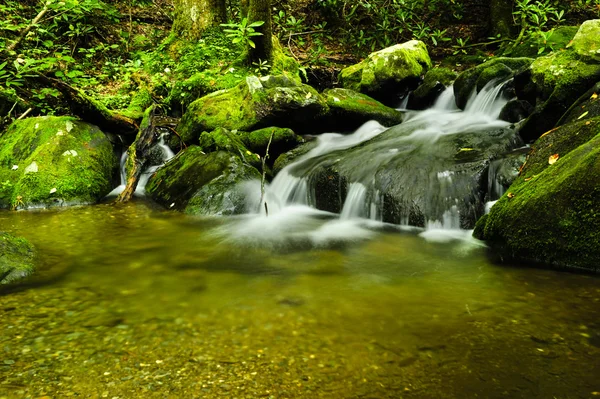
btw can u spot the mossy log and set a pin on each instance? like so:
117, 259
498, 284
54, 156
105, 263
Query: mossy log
92, 111
138, 154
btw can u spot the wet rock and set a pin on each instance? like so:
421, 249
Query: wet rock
434, 83
349, 109
253, 104
474, 79
587, 107
17, 258
54, 161
283, 140
222, 139
199, 183
389, 71
559, 189
291, 156
515, 111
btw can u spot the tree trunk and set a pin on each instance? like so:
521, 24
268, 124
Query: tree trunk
260, 10
501, 18
193, 17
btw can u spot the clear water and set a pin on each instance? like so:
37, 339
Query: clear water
137, 302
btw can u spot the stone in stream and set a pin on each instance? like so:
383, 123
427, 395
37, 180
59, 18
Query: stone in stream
474, 79
17, 258
386, 73
203, 184
54, 161
551, 213
434, 84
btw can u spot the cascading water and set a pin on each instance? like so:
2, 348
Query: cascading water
162, 155
424, 172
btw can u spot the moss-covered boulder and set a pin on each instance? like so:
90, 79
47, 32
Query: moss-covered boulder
553, 83
474, 79
387, 72
283, 140
54, 161
535, 46
222, 139
202, 184
348, 110
587, 107
434, 83
551, 213
290, 157
253, 104
586, 43
17, 258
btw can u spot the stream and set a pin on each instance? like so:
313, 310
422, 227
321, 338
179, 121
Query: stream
137, 302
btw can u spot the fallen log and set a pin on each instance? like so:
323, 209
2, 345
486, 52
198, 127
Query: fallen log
138, 154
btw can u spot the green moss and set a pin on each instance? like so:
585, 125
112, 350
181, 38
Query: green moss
350, 109
475, 78
586, 43
283, 140
283, 64
17, 258
551, 213
49, 161
222, 139
141, 100
199, 183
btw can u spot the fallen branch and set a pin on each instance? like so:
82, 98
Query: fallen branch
27, 29
24, 114
138, 154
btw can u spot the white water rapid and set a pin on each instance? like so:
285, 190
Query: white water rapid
292, 200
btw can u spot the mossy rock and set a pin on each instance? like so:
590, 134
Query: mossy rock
551, 214
202, 184
222, 139
586, 43
391, 70
290, 157
558, 40
434, 83
253, 104
557, 81
284, 140
348, 110
474, 79
140, 101
17, 258
587, 107
54, 161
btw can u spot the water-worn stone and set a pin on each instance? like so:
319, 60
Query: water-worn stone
202, 184
515, 111
54, 161
385, 73
586, 43
283, 140
551, 213
349, 109
587, 107
474, 79
253, 104
434, 83
17, 258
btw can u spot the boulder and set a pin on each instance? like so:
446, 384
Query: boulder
17, 258
283, 140
54, 161
407, 178
348, 110
586, 43
203, 184
587, 107
388, 72
434, 83
474, 79
222, 139
553, 83
551, 214
515, 111
253, 104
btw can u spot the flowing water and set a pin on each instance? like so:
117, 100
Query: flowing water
132, 301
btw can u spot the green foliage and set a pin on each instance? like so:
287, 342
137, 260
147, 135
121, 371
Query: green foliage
243, 32
537, 20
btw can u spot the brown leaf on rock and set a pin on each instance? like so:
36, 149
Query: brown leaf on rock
553, 158
510, 195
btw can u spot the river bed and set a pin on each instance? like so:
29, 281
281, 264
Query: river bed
136, 302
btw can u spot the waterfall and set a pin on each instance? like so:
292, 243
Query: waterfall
162, 154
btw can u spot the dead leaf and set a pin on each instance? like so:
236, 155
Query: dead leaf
553, 158
529, 178
594, 96
510, 195
583, 115
548, 132
588, 123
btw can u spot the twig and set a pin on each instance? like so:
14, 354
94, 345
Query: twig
28, 29
181, 142
264, 174
305, 33
25, 114
290, 47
